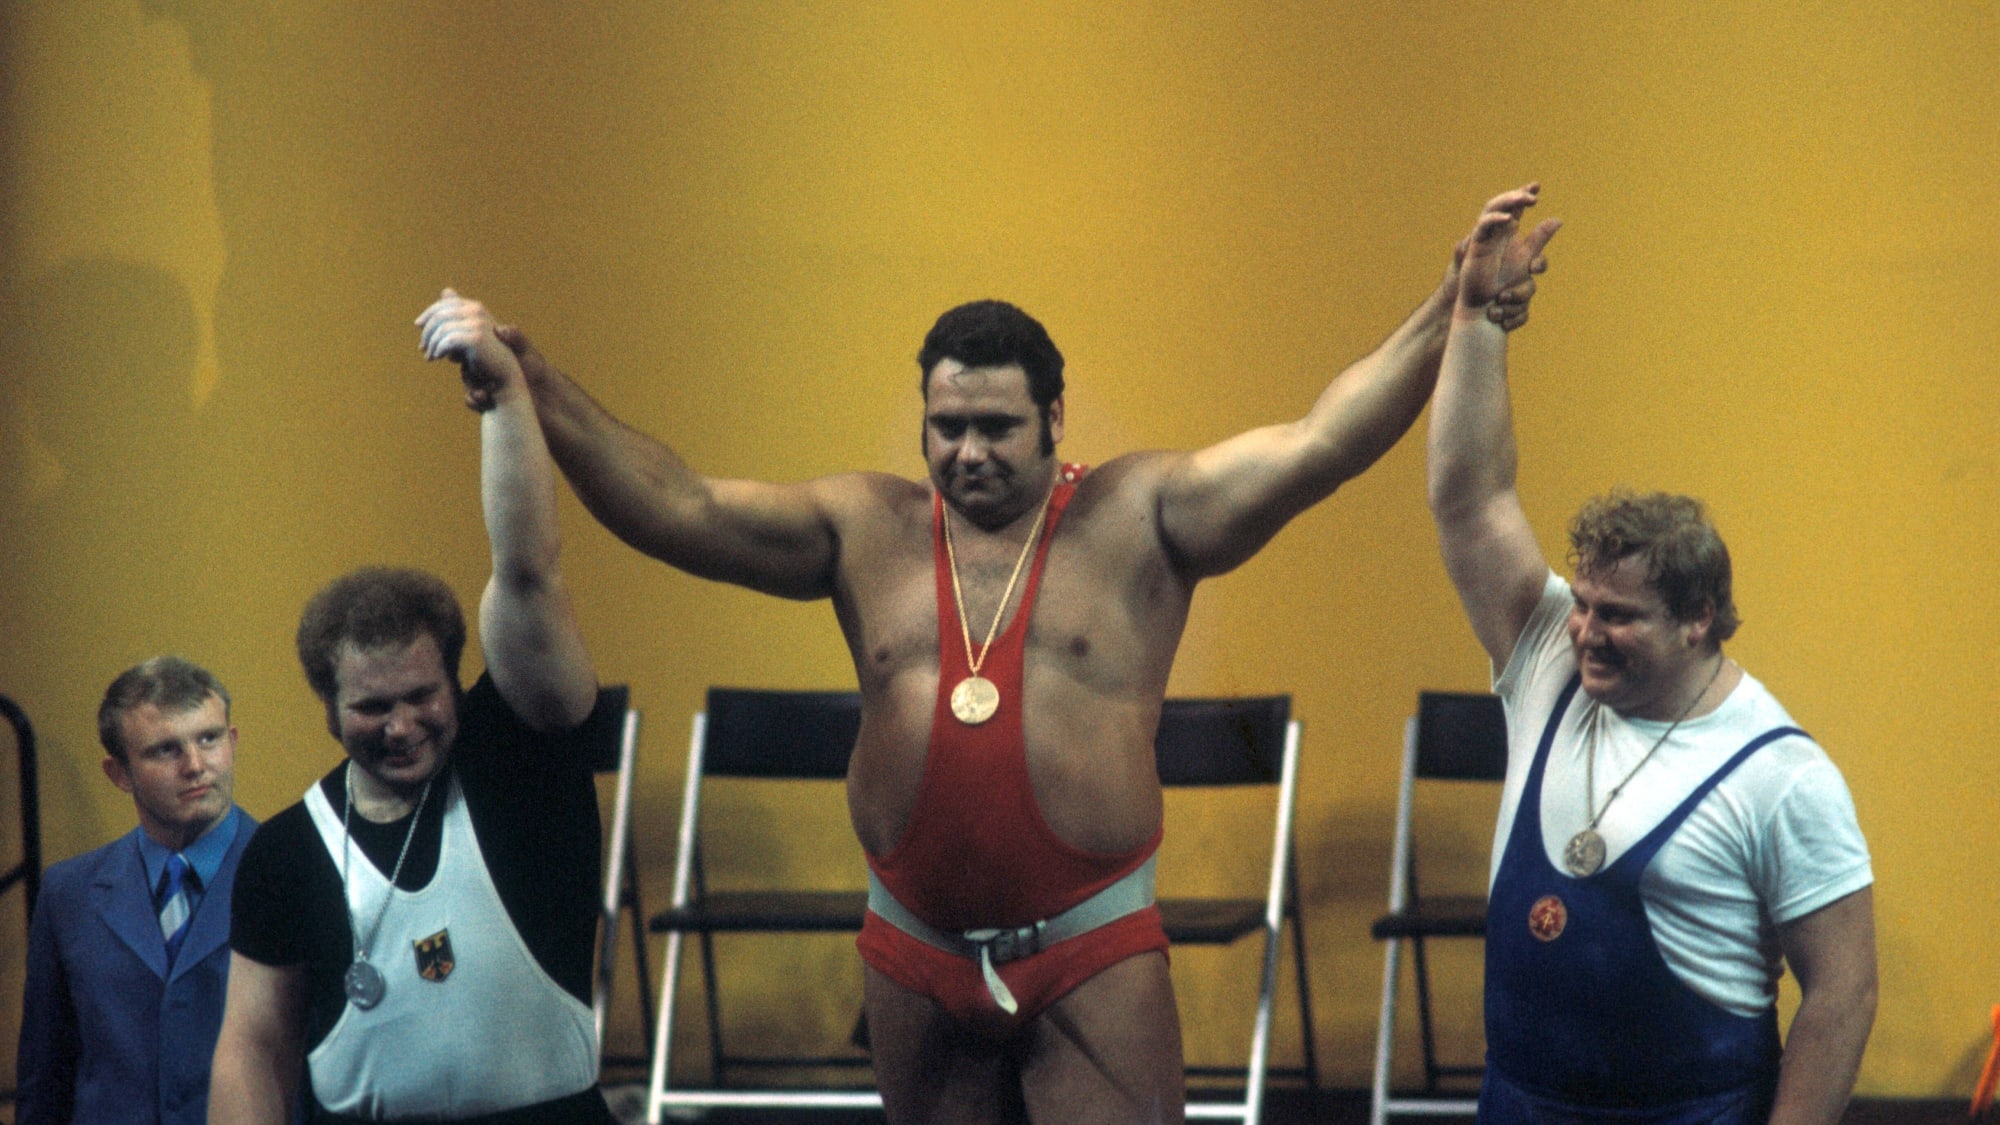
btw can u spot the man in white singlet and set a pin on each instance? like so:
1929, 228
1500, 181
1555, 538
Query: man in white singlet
413, 940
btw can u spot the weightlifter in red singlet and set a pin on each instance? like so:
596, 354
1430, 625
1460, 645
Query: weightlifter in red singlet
1012, 621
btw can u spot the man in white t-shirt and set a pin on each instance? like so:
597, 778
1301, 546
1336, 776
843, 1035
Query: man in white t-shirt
1668, 839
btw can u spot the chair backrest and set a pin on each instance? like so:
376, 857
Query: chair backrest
780, 734
1454, 736
1237, 741
613, 738
810, 734
1460, 736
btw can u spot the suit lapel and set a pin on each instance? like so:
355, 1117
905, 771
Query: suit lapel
119, 894
208, 930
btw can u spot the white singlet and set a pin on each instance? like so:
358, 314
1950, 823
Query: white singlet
493, 1033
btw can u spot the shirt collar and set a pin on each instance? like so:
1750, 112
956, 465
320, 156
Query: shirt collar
204, 855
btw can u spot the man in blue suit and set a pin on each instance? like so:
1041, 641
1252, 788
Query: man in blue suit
128, 956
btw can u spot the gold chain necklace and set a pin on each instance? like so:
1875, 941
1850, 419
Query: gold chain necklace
1584, 853
975, 699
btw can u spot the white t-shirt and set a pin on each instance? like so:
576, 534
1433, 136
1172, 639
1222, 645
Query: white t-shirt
1776, 840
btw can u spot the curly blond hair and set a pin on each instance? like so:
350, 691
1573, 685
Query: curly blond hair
1686, 561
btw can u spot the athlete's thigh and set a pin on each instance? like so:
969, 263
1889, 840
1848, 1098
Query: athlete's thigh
1109, 1051
929, 1068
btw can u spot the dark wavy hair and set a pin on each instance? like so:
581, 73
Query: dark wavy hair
372, 607
996, 334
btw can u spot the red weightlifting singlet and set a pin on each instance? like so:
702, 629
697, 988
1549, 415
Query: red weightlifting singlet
976, 852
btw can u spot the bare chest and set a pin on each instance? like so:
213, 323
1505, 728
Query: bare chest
1094, 642
1095, 610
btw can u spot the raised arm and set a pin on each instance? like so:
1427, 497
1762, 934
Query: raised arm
1832, 952
774, 538
527, 625
1490, 551
1220, 505
260, 1054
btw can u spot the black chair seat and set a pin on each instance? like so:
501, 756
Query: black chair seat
1463, 916
1201, 921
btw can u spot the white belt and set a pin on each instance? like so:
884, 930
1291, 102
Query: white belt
1130, 894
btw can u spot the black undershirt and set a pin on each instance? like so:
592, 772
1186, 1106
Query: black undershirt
533, 807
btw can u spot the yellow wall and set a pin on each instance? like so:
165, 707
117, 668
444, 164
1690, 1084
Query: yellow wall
734, 221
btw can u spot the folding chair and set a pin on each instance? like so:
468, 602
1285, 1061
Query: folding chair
621, 875
1454, 737
773, 736
1205, 743
809, 735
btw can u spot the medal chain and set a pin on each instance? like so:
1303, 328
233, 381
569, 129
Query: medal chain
1590, 759
958, 595
347, 857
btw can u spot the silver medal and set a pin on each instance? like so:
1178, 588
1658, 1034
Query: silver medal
363, 982
364, 985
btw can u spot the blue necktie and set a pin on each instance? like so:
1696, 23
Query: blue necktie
177, 884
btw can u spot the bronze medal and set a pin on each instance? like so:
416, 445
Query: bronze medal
974, 700
1584, 853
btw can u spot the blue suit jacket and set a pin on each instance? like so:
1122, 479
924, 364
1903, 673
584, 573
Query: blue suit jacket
108, 1035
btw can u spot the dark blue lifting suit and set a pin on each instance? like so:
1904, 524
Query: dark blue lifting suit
1585, 1022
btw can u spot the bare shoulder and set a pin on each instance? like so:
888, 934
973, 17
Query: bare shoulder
873, 516
1128, 479
863, 499
1122, 495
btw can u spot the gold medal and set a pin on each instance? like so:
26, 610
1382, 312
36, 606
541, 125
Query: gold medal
974, 700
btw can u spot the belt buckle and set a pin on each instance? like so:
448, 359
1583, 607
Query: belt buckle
1012, 945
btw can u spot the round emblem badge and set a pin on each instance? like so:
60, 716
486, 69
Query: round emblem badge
1547, 918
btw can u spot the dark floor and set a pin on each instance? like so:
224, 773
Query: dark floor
1281, 1107
1296, 1107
